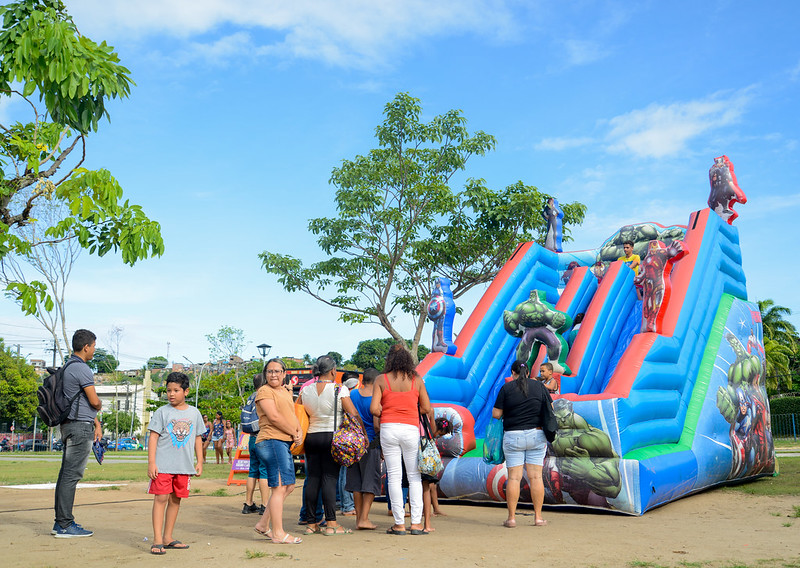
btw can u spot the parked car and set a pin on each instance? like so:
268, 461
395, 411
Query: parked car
126, 444
28, 445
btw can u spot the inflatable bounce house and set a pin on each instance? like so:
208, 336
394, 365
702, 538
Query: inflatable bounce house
662, 385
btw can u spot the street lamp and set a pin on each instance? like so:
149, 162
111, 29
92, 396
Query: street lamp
263, 349
200, 376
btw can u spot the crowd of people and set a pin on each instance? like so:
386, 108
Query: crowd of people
389, 408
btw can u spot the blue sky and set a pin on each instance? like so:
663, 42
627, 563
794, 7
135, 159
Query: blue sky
242, 109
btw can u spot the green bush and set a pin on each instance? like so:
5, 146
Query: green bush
785, 405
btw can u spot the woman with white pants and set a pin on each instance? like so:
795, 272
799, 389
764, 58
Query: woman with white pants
399, 398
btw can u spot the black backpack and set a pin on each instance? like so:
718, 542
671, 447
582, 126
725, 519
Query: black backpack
53, 406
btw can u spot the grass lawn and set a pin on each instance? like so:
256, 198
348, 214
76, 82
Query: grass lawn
27, 470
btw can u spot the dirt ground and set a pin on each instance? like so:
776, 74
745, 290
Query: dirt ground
715, 528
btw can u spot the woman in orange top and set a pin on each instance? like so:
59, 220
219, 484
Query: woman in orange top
399, 398
278, 429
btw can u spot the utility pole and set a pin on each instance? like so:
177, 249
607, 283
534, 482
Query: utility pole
167, 352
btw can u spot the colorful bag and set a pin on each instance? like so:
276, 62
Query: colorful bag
493, 443
349, 441
430, 462
300, 411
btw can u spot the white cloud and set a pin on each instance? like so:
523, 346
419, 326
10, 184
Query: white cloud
659, 131
583, 52
558, 144
359, 33
794, 72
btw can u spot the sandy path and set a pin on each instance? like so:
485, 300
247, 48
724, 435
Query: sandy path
715, 527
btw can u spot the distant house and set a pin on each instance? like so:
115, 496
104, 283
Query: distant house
39, 366
178, 368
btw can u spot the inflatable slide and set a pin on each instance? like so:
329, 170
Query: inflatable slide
645, 417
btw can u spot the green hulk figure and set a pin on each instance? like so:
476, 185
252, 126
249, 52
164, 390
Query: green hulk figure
640, 234
537, 322
585, 464
743, 405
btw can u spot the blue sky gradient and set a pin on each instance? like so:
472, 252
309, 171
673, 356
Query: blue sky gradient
242, 109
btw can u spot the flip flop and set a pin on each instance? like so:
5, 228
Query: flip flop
157, 549
333, 531
267, 533
176, 545
286, 537
392, 530
418, 532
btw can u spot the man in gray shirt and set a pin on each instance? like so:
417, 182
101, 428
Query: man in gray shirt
78, 432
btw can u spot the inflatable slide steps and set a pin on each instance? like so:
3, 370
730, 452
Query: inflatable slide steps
484, 346
653, 409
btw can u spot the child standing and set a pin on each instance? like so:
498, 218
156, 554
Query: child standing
430, 497
175, 442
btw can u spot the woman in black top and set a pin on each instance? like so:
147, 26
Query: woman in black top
521, 403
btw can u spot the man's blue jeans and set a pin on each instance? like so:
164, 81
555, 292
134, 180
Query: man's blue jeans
77, 438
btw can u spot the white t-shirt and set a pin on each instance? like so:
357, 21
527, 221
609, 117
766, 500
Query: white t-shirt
319, 407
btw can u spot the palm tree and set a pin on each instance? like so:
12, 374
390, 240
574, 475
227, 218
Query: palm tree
773, 320
781, 344
778, 365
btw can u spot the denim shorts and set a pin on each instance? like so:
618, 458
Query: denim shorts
524, 447
255, 465
275, 461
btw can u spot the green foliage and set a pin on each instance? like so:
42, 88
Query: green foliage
157, 362
373, 352
18, 383
119, 421
103, 361
228, 342
399, 223
781, 345
41, 48
785, 405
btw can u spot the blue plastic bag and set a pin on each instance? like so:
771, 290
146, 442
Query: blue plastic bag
493, 443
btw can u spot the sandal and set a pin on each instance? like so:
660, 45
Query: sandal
177, 545
392, 530
288, 539
418, 531
315, 530
157, 549
332, 531
267, 533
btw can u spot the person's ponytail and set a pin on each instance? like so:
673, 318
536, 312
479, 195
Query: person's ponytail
521, 369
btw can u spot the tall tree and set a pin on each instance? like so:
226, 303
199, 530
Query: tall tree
41, 157
779, 372
373, 352
52, 262
400, 224
17, 387
774, 322
103, 361
226, 343
781, 344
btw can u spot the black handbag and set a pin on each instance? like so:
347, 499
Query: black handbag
550, 424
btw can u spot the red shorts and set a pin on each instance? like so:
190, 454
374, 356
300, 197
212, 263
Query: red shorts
166, 483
